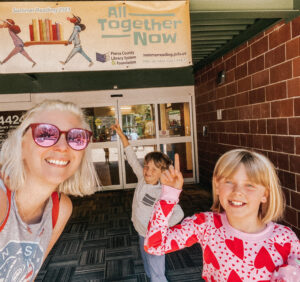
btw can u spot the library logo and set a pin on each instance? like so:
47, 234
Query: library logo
103, 58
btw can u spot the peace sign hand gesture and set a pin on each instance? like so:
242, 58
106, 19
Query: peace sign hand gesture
172, 177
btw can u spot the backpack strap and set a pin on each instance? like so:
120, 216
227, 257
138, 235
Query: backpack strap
8, 193
55, 208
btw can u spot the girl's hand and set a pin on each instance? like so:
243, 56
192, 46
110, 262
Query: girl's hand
172, 177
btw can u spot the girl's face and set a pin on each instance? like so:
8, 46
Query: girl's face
51, 165
241, 198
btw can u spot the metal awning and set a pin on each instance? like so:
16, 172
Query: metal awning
218, 26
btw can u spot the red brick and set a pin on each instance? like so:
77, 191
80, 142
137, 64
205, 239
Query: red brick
296, 27
283, 163
262, 126
220, 104
265, 110
230, 63
256, 38
221, 91
297, 107
275, 56
298, 182
271, 126
257, 141
294, 126
243, 56
241, 99
245, 112
260, 79
230, 102
276, 26
295, 163
276, 91
281, 126
282, 108
231, 114
297, 146
294, 87
253, 126
281, 72
287, 196
267, 142
228, 55
256, 64
234, 139
295, 197
293, 48
230, 76
287, 179
279, 36
241, 71
257, 96
296, 67
244, 84
256, 111
231, 88
243, 127
283, 144
241, 47
290, 216
259, 47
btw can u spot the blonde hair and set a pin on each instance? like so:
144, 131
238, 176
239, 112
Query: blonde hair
85, 179
260, 171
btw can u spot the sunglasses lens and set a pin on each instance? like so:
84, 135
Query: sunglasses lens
78, 138
46, 135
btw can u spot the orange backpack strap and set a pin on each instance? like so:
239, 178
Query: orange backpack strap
55, 208
8, 193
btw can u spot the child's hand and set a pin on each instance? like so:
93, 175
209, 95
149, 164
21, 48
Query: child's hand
173, 177
116, 127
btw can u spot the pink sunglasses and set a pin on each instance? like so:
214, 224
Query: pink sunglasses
47, 135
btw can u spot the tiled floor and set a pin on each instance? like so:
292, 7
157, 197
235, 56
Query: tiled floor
99, 242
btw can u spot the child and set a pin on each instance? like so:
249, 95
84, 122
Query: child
45, 158
146, 194
239, 240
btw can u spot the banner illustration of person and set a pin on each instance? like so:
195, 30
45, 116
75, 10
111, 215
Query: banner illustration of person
75, 38
13, 30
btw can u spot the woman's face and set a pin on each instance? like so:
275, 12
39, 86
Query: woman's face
51, 165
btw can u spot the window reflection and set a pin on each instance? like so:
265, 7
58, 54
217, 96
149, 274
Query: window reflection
174, 119
100, 120
138, 121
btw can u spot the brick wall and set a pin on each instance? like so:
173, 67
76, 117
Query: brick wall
260, 103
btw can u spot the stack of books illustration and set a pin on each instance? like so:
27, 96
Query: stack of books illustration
45, 32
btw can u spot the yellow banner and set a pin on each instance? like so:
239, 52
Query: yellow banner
90, 35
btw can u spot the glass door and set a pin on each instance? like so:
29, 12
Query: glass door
164, 127
105, 148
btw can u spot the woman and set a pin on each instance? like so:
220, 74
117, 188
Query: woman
42, 160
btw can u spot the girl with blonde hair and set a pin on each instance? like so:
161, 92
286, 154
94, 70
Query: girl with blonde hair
45, 158
239, 239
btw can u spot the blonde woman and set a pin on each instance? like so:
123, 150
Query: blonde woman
43, 160
239, 239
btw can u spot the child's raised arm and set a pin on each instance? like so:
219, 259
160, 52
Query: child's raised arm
161, 239
119, 131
